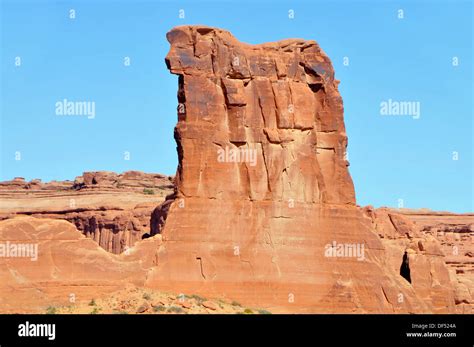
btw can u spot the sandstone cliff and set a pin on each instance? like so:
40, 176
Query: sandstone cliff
264, 200
262, 211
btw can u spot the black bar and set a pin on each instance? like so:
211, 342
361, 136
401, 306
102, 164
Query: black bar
224, 330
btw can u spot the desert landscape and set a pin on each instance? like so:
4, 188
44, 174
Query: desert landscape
261, 216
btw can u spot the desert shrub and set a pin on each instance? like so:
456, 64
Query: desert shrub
199, 299
51, 310
159, 308
148, 191
175, 309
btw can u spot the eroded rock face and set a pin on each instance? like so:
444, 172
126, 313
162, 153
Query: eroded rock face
416, 256
455, 236
261, 123
57, 264
264, 209
112, 209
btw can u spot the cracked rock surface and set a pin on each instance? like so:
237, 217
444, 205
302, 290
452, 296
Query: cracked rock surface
257, 228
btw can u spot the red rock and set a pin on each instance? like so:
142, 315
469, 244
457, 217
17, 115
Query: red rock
109, 208
185, 304
67, 264
263, 192
143, 307
210, 305
450, 236
159, 303
262, 205
429, 276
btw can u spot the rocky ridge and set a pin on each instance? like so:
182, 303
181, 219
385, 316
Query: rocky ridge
112, 209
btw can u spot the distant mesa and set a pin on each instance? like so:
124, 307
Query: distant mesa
131, 180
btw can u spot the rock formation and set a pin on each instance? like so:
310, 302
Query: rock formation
96, 180
262, 212
423, 263
112, 209
455, 236
264, 208
68, 267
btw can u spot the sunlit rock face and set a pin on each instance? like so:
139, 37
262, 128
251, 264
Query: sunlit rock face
264, 208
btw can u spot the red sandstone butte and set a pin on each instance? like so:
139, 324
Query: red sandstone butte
259, 231
262, 203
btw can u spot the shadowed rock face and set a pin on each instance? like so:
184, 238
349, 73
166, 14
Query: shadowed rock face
264, 200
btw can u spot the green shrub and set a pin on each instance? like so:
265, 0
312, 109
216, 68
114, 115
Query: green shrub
159, 308
148, 191
248, 311
51, 310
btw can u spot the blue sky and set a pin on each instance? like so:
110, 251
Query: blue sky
392, 157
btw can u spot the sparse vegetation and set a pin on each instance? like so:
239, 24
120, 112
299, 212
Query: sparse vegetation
175, 309
159, 308
199, 299
146, 300
51, 310
148, 191
264, 312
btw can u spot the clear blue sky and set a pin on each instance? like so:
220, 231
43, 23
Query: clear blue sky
391, 157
